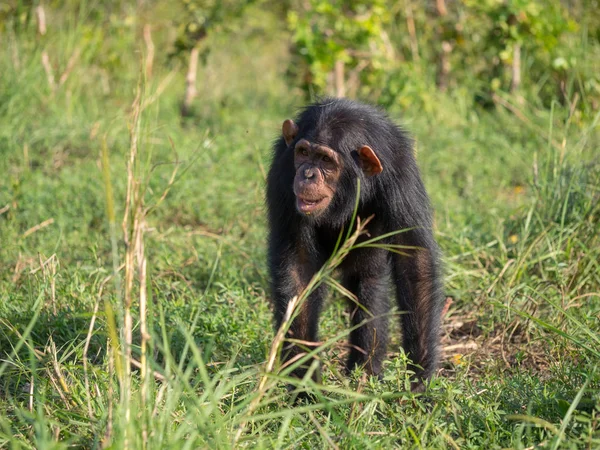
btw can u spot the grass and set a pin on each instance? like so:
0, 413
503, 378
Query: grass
517, 214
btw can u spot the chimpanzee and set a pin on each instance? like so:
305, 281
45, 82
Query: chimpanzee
311, 195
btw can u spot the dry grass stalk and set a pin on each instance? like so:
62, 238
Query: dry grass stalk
39, 226
70, 65
41, 19
31, 391
58, 389
84, 358
113, 357
160, 89
157, 375
9, 326
132, 227
470, 345
26, 156
49, 71
322, 431
113, 339
48, 268
61, 379
21, 264
135, 266
149, 50
129, 229
145, 337
87, 346
159, 398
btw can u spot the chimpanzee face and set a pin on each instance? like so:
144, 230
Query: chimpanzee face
318, 170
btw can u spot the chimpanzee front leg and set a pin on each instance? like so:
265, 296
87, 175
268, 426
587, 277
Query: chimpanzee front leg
291, 273
418, 287
368, 342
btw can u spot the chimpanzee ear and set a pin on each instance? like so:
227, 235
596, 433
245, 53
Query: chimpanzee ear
369, 162
290, 130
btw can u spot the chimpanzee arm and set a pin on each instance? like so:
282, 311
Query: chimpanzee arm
418, 290
370, 284
291, 271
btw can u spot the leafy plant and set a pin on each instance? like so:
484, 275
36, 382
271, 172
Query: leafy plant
342, 35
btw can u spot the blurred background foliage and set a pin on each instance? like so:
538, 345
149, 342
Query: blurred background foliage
391, 52
536, 48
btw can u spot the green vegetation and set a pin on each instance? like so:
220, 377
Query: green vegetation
511, 163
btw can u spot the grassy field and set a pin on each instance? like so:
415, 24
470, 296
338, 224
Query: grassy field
516, 192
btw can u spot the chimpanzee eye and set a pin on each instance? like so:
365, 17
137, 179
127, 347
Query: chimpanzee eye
303, 151
326, 159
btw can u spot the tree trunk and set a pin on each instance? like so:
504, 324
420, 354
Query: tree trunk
516, 68
412, 31
190, 83
340, 86
444, 66
441, 7
446, 48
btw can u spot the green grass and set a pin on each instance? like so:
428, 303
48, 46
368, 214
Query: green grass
517, 216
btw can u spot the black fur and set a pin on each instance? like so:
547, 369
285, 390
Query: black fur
300, 244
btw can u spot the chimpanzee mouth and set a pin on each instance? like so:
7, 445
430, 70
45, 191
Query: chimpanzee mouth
308, 206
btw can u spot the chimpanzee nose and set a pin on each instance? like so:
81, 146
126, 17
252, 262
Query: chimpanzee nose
309, 173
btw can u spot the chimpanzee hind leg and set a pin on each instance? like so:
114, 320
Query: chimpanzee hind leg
291, 272
302, 335
368, 342
419, 298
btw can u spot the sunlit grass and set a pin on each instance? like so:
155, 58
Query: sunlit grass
517, 216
